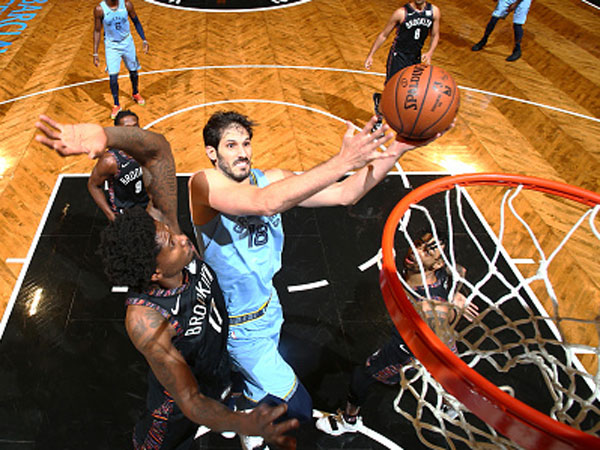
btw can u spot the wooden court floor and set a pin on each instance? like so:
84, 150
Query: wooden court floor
298, 71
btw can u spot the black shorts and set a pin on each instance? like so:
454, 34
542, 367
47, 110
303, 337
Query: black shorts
386, 363
397, 61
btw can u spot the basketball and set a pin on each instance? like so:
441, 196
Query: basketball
420, 101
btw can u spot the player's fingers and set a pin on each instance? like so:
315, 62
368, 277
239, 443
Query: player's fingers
273, 413
44, 140
53, 123
285, 443
369, 125
349, 129
284, 427
52, 134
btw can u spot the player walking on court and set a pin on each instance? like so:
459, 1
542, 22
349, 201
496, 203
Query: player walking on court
503, 8
413, 22
385, 364
113, 16
116, 182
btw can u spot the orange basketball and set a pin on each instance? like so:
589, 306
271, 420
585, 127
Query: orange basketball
420, 101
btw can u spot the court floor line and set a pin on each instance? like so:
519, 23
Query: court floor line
274, 66
219, 11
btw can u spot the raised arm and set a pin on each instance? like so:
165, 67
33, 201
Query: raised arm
150, 149
151, 335
396, 17
105, 168
212, 191
435, 36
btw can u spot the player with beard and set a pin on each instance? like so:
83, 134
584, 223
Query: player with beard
386, 363
175, 312
236, 212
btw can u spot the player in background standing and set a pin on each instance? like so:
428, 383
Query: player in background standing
116, 182
413, 22
113, 16
175, 314
503, 9
385, 364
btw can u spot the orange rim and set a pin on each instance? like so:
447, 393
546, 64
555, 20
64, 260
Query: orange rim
507, 415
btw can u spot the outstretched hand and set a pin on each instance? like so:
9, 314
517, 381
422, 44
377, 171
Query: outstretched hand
69, 140
362, 148
261, 423
470, 311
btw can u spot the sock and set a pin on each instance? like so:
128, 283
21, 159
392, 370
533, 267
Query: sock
114, 87
490, 27
518, 32
133, 76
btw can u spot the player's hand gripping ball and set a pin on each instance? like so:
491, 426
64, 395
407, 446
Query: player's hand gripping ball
420, 101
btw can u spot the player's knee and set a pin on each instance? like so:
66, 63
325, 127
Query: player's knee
114, 80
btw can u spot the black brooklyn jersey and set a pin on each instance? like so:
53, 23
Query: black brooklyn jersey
197, 312
411, 34
439, 289
126, 189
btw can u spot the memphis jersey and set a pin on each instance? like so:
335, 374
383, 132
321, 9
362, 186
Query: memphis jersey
115, 22
245, 252
196, 311
126, 189
411, 34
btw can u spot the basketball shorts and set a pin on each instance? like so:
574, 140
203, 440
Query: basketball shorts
385, 364
520, 13
117, 51
397, 61
253, 347
164, 428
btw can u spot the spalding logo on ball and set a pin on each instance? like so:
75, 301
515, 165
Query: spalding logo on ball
420, 101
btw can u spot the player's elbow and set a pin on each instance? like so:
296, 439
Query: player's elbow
270, 207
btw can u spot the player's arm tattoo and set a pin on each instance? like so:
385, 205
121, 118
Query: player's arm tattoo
153, 152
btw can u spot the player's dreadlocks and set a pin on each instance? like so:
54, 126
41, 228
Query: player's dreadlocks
128, 249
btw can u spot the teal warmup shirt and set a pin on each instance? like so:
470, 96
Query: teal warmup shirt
116, 23
245, 252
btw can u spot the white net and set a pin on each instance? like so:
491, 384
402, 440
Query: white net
532, 270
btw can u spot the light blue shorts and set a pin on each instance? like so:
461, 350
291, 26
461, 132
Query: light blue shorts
115, 51
520, 14
253, 347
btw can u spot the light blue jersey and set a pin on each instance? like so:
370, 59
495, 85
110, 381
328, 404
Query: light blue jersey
245, 251
115, 22
118, 41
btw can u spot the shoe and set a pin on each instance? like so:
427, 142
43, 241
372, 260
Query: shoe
449, 411
479, 45
516, 54
335, 424
376, 101
228, 434
116, 109
377, 125
253, 443
139, 99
